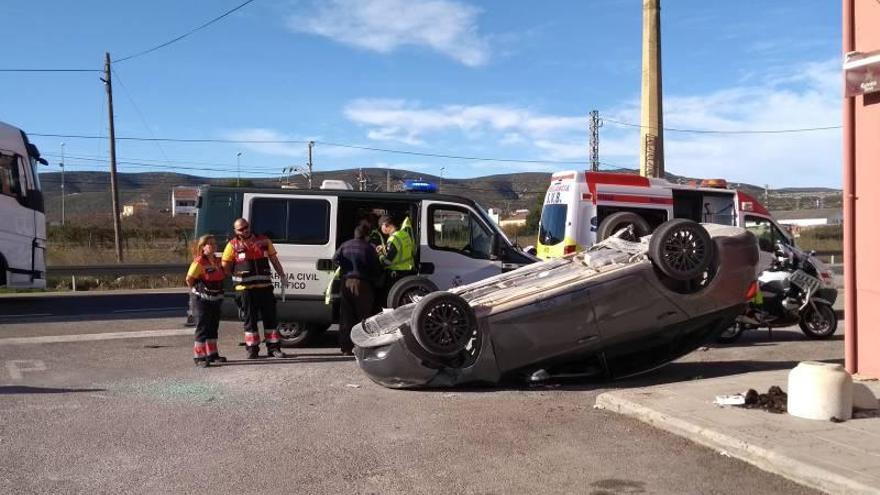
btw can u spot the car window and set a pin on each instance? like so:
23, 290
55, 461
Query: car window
292, 221
457, 229
10, 184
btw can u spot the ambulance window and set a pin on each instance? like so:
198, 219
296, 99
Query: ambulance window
308, 221
766, 233
457, 229
552, 227
9, 179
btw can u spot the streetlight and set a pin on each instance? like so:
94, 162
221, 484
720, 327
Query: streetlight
62, 183
238, 166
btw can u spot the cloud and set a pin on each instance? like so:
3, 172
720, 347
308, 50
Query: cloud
383, 26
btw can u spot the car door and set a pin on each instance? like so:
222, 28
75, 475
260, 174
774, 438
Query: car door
455, 245
303, 231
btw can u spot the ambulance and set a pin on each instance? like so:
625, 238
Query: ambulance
582, 208
456, 242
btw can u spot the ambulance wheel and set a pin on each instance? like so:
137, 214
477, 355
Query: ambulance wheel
621, 220
410, 289
681, 249
297, 333
443, 324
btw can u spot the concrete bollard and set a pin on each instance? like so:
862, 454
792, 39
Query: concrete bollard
820, 391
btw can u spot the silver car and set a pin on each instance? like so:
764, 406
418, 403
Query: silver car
616, 309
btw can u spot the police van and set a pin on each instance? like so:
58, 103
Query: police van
456, 242
582, 208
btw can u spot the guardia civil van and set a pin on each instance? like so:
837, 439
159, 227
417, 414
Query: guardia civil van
456, 242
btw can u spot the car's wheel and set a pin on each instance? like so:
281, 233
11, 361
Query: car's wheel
297, 333
409, 289
818, 321
731, 334
620, 220
681, 249
443, 323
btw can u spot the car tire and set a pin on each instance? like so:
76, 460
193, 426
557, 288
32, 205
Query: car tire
410, 289
298, 333
622, 219
819, 323
681, 249
443, 323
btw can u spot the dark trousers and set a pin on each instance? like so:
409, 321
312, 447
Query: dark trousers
257, 304
356, 305
207, 314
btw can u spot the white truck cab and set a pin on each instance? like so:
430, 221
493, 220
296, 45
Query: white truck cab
456, 242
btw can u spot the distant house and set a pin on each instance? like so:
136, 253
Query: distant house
183, 200
135, 208
809, 218
518, 219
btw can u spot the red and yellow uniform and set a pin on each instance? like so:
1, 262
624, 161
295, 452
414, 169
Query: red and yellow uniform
252, 275
208, 275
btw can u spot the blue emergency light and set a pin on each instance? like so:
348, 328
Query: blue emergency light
413, 185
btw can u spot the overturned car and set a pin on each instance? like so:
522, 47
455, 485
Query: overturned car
617, 309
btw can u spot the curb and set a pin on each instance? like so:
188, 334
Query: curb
760, 457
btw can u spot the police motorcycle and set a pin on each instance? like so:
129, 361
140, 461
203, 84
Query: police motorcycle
795, 289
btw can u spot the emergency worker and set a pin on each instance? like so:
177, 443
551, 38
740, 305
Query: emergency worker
205, 280
246, 258
360, 270
397, 255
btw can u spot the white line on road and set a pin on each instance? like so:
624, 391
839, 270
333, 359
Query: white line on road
147, 310
87, 337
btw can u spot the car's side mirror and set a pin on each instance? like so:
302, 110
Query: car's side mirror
499, 248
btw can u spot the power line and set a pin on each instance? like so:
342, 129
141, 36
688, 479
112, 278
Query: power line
184, 35
50, 70
713, 131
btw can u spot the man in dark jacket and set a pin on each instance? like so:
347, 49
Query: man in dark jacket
360, 270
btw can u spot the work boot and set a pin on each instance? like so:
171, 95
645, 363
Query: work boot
253, 352
201, 362
276, 352
216, 358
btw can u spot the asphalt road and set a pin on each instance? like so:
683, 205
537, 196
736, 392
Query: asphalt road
131, 414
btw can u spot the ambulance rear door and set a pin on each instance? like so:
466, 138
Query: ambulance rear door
455, 245
303, 229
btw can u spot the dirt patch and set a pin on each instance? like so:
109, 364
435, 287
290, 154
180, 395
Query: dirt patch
775, 400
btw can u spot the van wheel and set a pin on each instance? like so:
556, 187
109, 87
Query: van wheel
681, 249
621, 220
298, 333
410, 289
443, 324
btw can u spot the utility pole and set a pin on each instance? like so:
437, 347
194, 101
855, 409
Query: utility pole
766, 195
362, 181
62, 184
114, 189
651, 156
595, 124
311, 145
238, 168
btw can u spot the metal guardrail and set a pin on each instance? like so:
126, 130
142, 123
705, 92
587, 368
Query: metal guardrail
116, 270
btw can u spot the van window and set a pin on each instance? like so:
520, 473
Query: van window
10, 184
552, 228
766, 232
292, 221
457, 229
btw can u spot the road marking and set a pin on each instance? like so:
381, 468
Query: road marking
88, 337
18, 366
146, 310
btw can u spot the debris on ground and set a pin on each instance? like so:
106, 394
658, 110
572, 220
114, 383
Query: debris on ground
730, 400
775, 400
352, 385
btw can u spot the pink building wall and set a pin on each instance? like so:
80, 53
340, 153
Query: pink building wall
861, 32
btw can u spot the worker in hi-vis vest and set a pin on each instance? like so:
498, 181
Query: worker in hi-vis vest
396, 255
